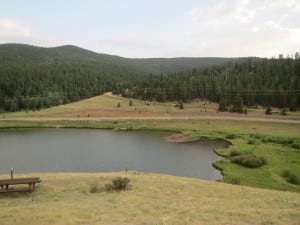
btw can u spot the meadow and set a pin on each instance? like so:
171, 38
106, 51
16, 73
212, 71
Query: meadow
150, 199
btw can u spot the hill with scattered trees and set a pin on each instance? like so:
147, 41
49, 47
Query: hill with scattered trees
35, 77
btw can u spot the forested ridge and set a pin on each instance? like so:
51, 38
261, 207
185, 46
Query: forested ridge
35, 78
273, 82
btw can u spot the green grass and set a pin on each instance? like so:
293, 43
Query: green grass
278, 156
65, 199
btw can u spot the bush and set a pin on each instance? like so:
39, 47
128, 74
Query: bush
231, 136
181, 106
250, 161
235, 180
251, 142
291, 177
283, 112
256, 136
94, 187
296, 145
117, 184
279, 140
234, 153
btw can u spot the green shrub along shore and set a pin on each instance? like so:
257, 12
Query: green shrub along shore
254, 157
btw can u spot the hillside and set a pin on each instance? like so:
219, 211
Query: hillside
20, 53
151, 199
35, 78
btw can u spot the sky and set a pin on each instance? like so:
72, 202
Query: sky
156, 28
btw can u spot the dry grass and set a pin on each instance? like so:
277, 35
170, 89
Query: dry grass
153, 199
106, 106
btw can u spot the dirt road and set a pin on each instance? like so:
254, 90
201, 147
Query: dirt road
236, 118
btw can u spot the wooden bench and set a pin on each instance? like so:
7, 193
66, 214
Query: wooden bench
5, 185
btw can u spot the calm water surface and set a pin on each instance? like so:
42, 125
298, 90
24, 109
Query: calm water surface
82, 150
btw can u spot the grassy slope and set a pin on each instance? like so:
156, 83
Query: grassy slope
152, 199
106, 105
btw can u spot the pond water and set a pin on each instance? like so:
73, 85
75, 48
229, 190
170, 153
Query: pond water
83, 150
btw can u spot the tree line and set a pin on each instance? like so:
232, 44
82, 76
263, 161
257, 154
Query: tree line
274, 82
32, 85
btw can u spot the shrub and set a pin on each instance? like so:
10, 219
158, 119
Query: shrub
117, 184
291, 177
278, 140
181, 106
234, 153
94, 187
231, 136
235, 180
256, 136
251, 142
283, 112
296, 145
250, 160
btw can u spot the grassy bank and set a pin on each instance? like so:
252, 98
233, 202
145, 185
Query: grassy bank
281, 149
151, 199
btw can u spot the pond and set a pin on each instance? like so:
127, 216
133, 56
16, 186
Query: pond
84, 150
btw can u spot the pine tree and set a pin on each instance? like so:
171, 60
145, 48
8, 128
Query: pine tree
223, 105
268, 110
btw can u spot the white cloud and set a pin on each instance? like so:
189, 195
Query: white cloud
222, 12
9, 27
293, 5
15, 31
243, 28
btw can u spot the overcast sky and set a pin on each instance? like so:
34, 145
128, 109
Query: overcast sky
156, 28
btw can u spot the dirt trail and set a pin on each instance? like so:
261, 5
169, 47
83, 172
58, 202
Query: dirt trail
236, 118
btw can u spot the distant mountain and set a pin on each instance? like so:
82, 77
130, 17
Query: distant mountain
20, 53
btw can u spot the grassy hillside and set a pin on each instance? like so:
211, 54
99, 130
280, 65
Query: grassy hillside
151, 199
106, 105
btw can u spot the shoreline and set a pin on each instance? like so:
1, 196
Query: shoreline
197, 129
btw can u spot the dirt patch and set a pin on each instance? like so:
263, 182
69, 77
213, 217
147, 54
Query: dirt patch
179, 138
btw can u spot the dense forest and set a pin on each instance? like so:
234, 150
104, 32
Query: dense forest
32, 78
274, 82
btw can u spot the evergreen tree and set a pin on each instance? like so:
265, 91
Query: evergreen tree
238, 104
268, 110
223, 105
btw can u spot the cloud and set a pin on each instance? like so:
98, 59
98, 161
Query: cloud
222, 12
243, 28
12, 27
14, 31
